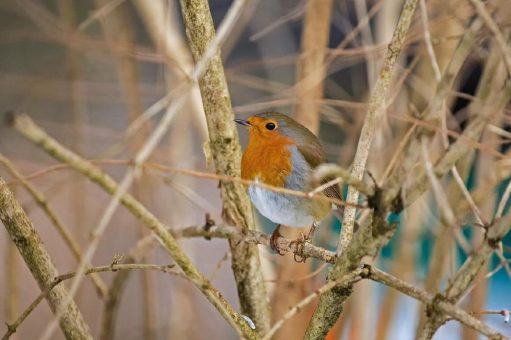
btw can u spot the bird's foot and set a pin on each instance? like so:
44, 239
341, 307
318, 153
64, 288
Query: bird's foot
300, 242
274, 241
299, 245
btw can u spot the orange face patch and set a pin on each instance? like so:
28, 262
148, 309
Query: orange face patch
263, 126
267, 155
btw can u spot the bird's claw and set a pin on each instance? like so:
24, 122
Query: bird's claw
274, 241
299, 245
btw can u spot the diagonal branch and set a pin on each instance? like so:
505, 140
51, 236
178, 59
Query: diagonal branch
32, 132
492, 26
61, 228
114, 267
465, 276
27, 240
445, 306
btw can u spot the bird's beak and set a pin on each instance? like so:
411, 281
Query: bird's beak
242, 122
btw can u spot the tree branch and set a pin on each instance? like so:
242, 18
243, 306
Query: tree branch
61, 228
492, 26
226, 151
255, 237
23, 234
445, 306
374, 115
114, 267
330, 304
24, 125
465, 276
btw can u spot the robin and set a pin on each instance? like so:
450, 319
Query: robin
281, 152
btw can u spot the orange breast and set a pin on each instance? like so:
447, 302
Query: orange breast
268, 159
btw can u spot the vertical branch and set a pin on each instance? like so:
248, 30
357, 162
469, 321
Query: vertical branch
77, 97
160, 19
373, 117
12, 282
311, 66
309, 92
118, 31
37, 259
326, 314
226, 151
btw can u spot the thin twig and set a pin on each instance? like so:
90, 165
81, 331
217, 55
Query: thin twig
114, 267
503, 201
373, 117
219, 265
312, 194
427, 40
492, 26
504, 312
61, 228
443, 202
349, 278
447, 307
99, 13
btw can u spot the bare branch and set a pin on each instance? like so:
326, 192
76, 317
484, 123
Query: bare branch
349, 278
23, 234
311, 65
499, 37
465, 276
114, 267
256, 237
226, 151
373, 117
61, 228
447, 307
32, 132
325, 315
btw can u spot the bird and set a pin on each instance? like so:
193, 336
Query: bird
282, 153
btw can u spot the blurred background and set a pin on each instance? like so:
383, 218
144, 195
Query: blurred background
90, 72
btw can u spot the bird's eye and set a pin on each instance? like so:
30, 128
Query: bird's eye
270, 126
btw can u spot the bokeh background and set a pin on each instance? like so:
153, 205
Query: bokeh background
86, 70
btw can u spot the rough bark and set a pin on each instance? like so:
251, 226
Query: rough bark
29, 244
226, 154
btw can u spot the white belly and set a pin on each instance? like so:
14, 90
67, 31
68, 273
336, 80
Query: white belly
279, 208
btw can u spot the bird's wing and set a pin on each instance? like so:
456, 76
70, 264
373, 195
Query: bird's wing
314, 155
